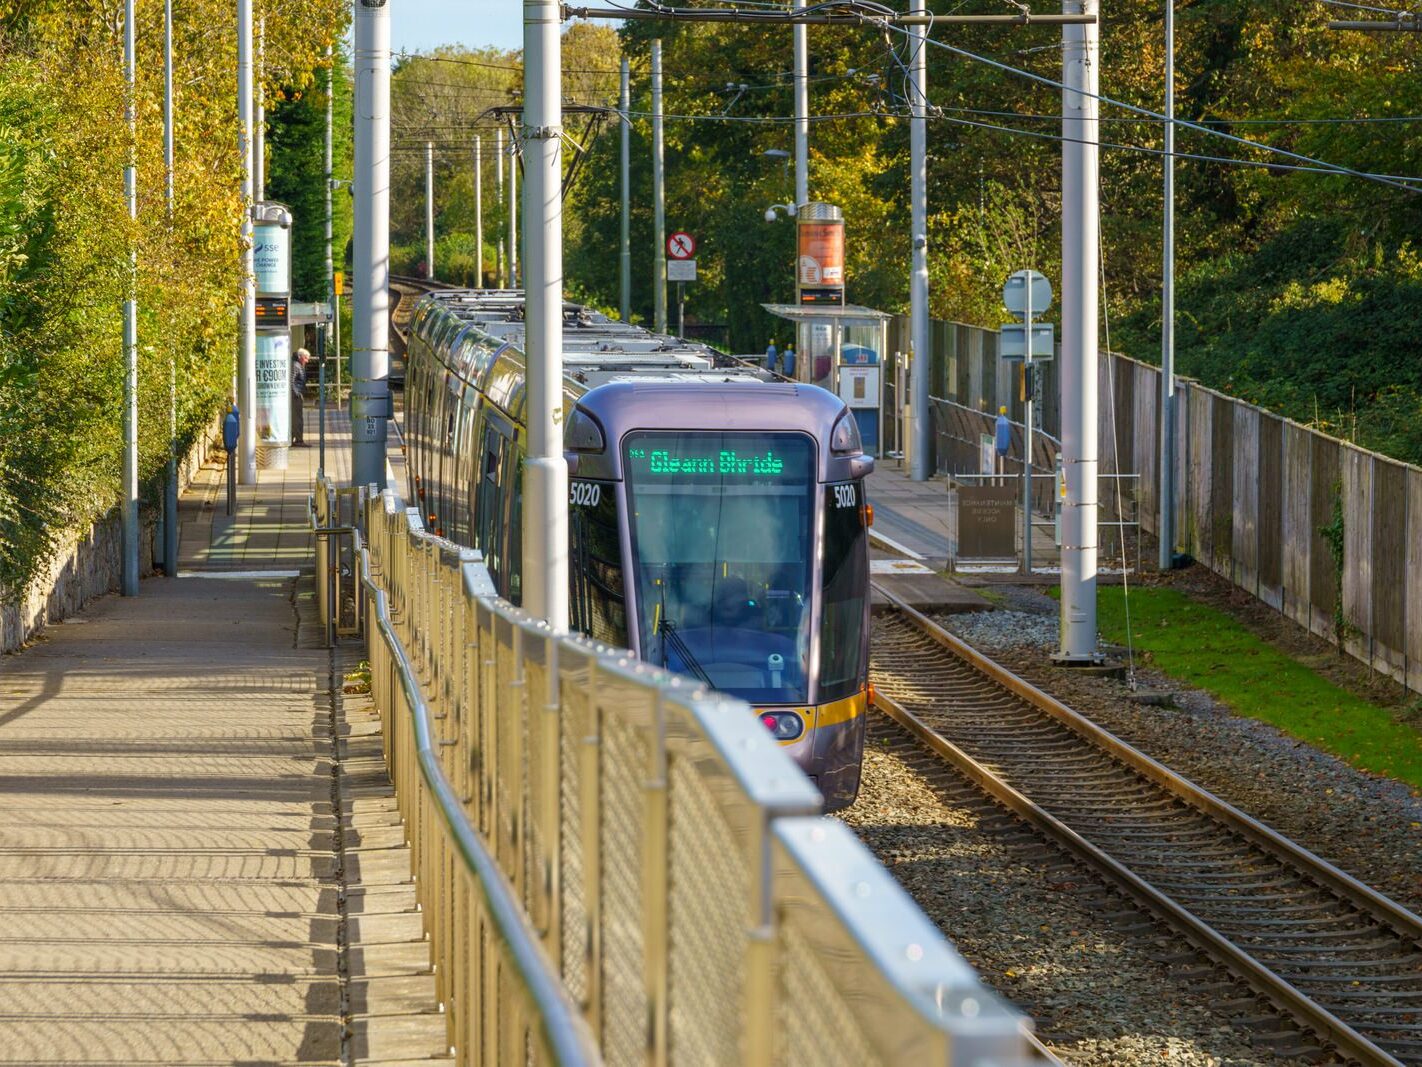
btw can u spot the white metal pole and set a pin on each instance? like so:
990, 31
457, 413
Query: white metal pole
499, 198
1166, 486
801, 77
247, 351
625, 252
659, 202
130, 325
545, 486
429, 210
1080, 177
328, 168
919, 465
1028, 418
514, 257
478, 213
170, 480
259, 128
370, 351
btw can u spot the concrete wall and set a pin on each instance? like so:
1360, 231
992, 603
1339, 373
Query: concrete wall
89, 563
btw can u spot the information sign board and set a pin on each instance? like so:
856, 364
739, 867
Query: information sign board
274, 388
987, 521
1011, 344
681, 270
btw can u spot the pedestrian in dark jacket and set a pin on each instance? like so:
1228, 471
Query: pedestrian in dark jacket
298, 391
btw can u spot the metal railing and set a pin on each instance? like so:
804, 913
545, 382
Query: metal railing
333, 513
658, 848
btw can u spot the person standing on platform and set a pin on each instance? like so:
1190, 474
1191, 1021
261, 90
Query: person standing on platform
298, 395
1002, 440
790, 362
772, 358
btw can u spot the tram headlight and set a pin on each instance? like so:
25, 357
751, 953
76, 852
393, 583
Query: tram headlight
783, 725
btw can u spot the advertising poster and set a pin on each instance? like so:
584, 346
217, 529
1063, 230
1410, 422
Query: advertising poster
821, 253
271, 259
274, 388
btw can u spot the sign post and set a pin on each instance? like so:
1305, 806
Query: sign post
681, 268
1025, 294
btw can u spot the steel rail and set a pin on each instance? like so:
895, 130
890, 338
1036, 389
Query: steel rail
1262, 978
562, 1026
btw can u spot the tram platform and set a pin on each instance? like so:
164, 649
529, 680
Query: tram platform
912, 541
201, 861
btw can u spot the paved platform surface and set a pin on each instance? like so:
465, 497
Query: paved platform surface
200, 857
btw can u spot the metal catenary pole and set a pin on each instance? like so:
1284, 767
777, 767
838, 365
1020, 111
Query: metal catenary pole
545, 529
1167, 312
659, 203
130, 323
429, 210
501, 277
624, 259
478, 213
259, 125
802, 112
1028, 419
370, 354
247, 343
330, 276
170, 479
514, 257
920, 467
1080, 262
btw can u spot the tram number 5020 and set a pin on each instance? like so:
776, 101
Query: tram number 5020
845, 496
584, 494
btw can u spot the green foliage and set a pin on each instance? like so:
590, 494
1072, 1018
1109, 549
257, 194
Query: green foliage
296, 133
1333, 536
1204, 647
66, 239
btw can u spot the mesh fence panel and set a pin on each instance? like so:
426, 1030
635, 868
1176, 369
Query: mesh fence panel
816, 1025
624, 1001
709, 890
573, 905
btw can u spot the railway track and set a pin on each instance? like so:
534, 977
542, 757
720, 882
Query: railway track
1332, 954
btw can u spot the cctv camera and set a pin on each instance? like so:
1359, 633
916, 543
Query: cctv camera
770, 214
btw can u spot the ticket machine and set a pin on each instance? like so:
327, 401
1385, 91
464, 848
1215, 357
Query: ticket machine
859, 386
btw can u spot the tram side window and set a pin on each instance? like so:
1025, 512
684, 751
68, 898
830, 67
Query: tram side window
846, 584
513, 468
490, 505
597, 602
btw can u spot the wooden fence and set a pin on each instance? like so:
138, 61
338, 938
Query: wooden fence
1253, 493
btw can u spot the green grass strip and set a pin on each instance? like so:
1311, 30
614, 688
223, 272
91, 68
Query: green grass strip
1205, 648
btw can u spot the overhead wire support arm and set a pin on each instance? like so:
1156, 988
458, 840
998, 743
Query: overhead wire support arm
834, 12
1404, 23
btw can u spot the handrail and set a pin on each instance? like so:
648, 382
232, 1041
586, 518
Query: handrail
623, 825
560, 1023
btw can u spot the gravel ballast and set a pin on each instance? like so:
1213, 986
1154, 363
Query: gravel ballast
1368, 825
1101, 997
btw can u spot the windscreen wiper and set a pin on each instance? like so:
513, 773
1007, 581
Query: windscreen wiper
671, 637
